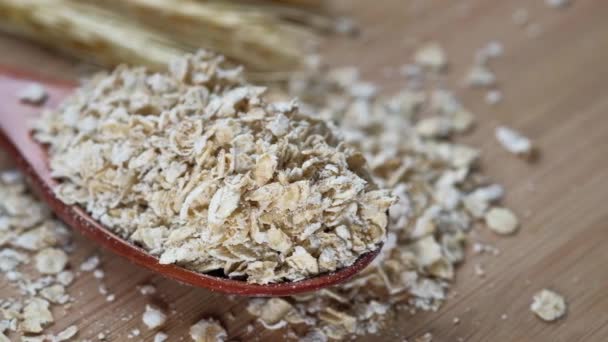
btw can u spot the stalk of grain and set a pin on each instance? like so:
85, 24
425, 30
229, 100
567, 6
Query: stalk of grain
256, 37
106, 32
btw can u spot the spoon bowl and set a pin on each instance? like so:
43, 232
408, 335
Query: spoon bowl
32, 159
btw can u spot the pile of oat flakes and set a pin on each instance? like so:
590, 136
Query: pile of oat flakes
33, 260
407, 140
195, 166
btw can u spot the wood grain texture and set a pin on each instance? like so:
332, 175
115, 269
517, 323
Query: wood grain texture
553, 89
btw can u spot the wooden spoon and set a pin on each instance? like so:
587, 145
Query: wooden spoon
31, 158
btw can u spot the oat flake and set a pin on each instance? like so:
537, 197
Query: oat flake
548, 305
501, 221
208, 330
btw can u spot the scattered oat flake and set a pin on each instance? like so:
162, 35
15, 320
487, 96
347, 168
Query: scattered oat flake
271, 311
208, 330
34, 93
493, 97
55, 294
548, 305
427, 337
134, 333
147, 290
431, 55
36, 315
513, 141
102, 289
66, 334
65, 278
557, 3
502, 221
160, 337
345, 25
480, 76
51, 261
153, 317
90, 264
493, 49
98, 274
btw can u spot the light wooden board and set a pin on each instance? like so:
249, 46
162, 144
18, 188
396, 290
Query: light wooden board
554, 91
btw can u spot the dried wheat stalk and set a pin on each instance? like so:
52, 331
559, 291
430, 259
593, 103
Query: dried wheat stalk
106, 32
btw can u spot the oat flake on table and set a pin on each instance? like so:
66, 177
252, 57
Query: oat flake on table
33, 93
196, 167
208, 330
30, 235
153, 317
513, 141
548, 305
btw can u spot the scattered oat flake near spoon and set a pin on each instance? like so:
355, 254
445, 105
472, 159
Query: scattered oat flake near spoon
432, 56
208, 330
34, 93
502, 221
153, 317
513, 141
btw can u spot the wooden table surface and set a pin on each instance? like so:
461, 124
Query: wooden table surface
554, 89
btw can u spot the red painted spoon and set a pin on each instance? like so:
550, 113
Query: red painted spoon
31, 158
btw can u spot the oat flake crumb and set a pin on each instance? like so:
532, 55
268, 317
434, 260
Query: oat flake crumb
548, 305
153, 317
480, 76
147, 290
160, 337
66, 334
34, 93
90, 264
502, 221
208, 330
134, 333
36, 315
513, 141
427, 337
493, 97
51, 261
432, 56
65, 278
